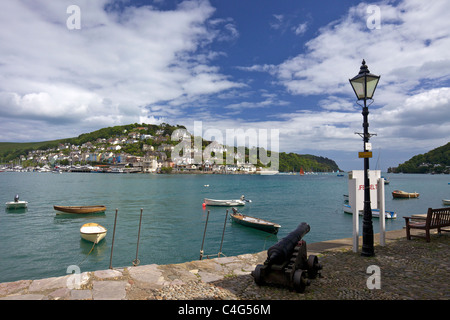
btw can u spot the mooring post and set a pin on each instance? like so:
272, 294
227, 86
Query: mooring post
204, 232
223, 234
112, 245
136, 261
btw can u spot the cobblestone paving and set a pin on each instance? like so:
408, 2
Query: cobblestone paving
408, 270
411, 269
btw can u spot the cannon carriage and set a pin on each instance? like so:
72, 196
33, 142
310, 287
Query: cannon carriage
287, 263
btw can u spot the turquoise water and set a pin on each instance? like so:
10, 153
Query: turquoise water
38, 243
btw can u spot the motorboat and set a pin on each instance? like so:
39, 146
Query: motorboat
226, 203
253, 222
93, 232
375, 212
16, 204
402, 194
79, 209
446, 202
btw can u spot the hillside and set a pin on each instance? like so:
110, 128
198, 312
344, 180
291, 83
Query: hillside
10, 151
292, 162
288, 162
434, 161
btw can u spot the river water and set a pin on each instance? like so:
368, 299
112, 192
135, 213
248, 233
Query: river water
37, 243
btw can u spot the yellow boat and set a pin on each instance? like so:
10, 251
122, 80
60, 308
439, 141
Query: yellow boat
93, 232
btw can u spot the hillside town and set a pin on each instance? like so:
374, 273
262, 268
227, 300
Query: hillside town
134, 151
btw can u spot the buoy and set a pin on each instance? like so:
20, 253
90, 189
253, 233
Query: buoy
204, 205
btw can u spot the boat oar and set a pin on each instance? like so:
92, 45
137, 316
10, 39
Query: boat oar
137, 261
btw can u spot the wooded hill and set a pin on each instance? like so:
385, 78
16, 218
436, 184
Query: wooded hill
434, 161
288, 162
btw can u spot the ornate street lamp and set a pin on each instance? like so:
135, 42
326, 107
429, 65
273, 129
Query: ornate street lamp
364, 85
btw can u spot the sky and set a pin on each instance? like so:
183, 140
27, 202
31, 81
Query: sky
69, 67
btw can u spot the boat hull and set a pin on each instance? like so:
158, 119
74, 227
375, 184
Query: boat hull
398, 194
79, 209
256, 223
16, 205
446, 202
224, 203
375, 212
93, 232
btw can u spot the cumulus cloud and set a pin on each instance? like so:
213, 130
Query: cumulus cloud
121, 60
143, 64
407, 51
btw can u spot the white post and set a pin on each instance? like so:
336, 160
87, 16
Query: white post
381, 207
352, 201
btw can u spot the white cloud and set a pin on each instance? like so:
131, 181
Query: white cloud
118, 62
411, 100
300, 29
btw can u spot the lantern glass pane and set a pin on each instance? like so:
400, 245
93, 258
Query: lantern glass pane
371, 86
358, 87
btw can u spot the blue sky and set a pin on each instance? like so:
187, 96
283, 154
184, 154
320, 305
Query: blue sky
252, 64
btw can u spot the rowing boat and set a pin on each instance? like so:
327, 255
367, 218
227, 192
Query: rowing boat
403, 194
93, 232
253, 222
79, 209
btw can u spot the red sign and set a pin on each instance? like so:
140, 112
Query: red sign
372, 187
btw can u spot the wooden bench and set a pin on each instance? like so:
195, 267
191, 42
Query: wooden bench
435, 219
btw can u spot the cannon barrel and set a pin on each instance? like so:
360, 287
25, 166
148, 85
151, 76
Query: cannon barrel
280, 251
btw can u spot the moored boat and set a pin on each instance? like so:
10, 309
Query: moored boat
226, 203
79, 209
403, 194
16, 204
375, 212
446, 202
253, 222
93, 232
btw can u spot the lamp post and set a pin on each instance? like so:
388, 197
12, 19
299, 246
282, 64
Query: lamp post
364, 85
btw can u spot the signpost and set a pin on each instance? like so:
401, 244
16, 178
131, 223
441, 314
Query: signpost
366, 154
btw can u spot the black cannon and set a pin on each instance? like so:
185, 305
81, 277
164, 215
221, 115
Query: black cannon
287, 263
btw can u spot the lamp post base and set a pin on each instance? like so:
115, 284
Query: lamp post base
367, 246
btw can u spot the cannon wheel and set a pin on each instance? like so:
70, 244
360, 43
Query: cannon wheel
300, 281
313, 266
257, 275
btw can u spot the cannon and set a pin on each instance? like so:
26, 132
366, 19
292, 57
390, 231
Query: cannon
287, 263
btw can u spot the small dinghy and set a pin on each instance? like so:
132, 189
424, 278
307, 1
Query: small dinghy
16, 204
404, 195
226, 203
79, 209
253, 222
93, 232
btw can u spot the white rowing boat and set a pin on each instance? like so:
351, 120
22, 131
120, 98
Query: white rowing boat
93, 232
